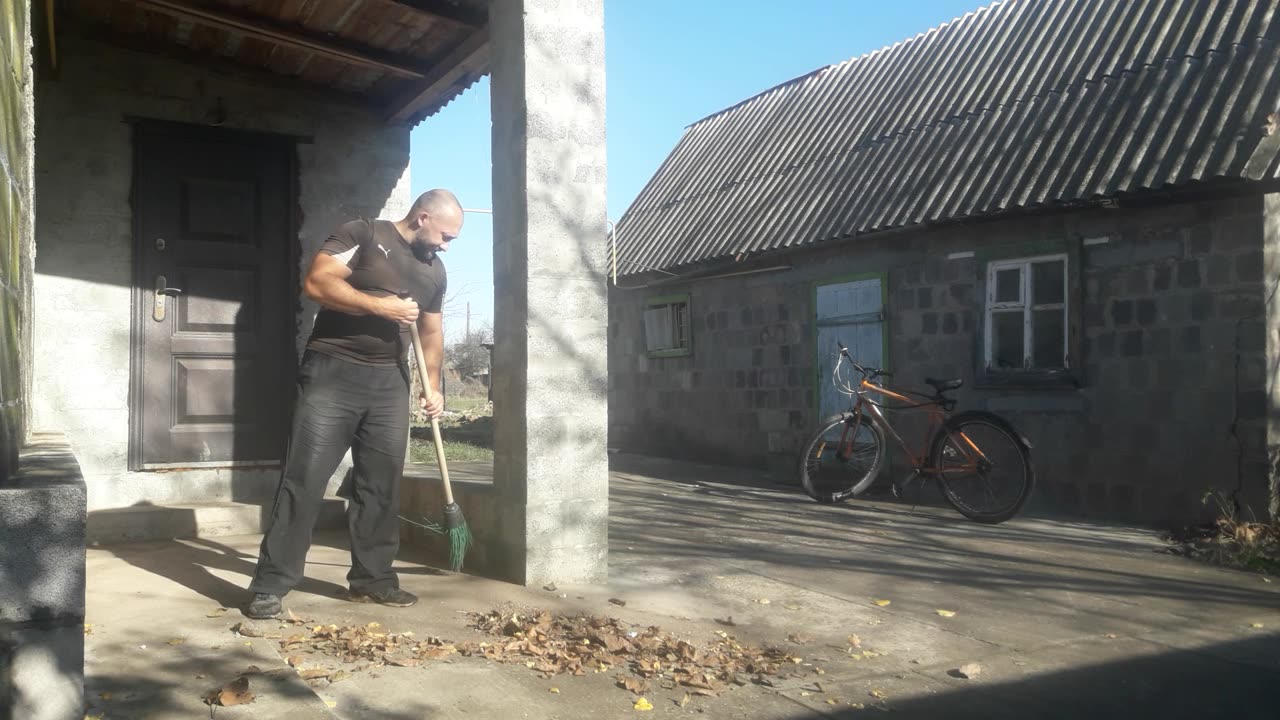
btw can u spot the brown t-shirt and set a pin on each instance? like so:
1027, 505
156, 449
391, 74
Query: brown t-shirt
382, 263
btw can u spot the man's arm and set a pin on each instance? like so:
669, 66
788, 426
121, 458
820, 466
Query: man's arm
326, 283
431, 330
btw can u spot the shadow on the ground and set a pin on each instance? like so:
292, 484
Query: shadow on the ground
174, 688
187, 562
694, 514
1173, 684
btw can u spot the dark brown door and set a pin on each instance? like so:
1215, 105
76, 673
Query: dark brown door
213, 316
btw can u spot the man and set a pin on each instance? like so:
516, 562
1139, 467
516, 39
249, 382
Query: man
371, 280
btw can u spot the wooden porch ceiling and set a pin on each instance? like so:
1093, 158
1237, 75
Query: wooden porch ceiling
406, 58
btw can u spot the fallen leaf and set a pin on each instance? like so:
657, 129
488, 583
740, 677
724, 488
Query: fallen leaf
314, 673
1110, 636
294, 660
619, 603
92, 717
763, 601
878, 694
1266, 579
338, 676
946, 613
643, 704
236, 692
791, 607
797, 639
403, 662
88, 628
105, 696
968, 671
684, 700
882, 603
177, 641
857, 706
550, 587
246, 629
804, 693
217, 613
727, 621
331, 704
201, 676
854, 641
635, 685
1256, 626
555, 690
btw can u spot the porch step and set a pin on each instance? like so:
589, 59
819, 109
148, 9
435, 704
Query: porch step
195, 520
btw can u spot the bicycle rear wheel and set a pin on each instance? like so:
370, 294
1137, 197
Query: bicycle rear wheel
983, 466
841, 458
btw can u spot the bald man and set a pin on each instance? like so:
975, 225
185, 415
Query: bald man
353, 393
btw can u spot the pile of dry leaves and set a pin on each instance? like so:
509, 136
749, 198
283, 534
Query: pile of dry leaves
580, 644
552, 645
1231, 540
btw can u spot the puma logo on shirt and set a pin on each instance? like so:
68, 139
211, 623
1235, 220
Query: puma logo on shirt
385, 252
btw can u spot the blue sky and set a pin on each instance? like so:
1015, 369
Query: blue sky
668, 64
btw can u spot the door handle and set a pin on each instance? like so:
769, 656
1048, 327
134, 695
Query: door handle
162, 290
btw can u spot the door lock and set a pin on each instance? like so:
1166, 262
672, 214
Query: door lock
162, 290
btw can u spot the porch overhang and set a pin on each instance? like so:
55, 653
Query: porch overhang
403, 59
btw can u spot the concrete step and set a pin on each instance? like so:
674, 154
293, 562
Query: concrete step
195, 520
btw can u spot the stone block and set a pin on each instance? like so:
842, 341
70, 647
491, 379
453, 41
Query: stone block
1249, 267
1159, 341
43, 669
1217, 270
924, 298
1121, 312
1162, 277
1199, 240
1190, 339
950, 325
1146, 312
1104, 345
929, 323
906, 299
1201, 306
1136, 282
42, 541
1238, 305
1131, 343
1189, 274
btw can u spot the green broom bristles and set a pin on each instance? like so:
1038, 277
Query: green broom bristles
459, 534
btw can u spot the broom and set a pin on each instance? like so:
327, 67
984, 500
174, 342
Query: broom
454, 526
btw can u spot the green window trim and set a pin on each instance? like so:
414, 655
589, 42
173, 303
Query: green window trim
658, 301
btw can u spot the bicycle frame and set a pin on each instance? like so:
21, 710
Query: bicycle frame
937, 421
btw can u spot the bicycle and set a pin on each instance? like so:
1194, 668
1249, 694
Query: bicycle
959, 449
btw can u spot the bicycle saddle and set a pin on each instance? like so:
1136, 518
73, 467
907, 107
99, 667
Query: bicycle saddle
942, 386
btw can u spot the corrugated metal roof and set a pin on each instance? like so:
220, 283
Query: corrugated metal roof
1020, 104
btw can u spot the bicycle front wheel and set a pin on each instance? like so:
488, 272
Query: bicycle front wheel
983, 466
842, 458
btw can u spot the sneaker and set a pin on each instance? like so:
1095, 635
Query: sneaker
392, 597
263, 606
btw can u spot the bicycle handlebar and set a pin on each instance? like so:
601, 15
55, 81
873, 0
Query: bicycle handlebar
871, 373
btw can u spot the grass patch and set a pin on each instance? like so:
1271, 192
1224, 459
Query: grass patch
465, 439
1231, 541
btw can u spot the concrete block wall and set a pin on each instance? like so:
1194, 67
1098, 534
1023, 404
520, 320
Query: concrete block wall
1163, 312
17, 203
354, 165
42, 585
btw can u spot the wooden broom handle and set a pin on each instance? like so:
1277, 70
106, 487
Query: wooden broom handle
435, 426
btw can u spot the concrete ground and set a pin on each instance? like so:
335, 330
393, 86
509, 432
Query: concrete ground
1065, 619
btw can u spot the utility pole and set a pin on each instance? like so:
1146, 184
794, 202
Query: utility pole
468, 322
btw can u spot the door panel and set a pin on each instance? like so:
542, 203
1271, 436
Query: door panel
213, 334
852, 313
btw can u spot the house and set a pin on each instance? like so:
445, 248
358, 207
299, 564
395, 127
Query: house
170, 167
1069, 204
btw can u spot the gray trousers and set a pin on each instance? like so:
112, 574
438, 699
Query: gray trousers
340, 405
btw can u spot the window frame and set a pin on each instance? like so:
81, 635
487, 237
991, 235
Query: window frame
654, 302
1025, 303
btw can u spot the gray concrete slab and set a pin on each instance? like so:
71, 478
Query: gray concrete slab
1066, 620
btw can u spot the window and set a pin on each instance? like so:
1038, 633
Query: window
666, 326
1026, 326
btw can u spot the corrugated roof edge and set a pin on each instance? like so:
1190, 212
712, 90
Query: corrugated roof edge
825, 68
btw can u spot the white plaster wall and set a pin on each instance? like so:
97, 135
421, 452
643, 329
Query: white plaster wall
356, 165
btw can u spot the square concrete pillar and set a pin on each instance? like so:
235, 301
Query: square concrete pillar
551, 470
1271, 294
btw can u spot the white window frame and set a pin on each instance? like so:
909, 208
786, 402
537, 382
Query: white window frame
681, 335
1024, 303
